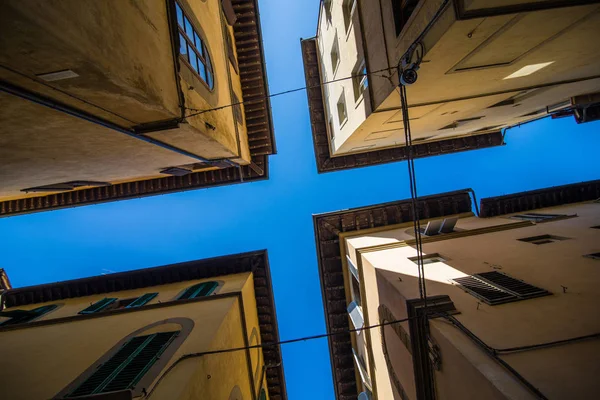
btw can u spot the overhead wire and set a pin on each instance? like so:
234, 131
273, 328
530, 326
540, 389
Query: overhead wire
271, 344
299, 89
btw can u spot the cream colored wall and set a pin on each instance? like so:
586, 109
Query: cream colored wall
559, 372
350, 52
67, 349
441, 96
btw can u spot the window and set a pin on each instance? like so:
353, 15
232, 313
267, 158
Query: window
429, 258
263, 395
362, 369
348, 10
113, 303
356, 316
331, 127
327, 4
129, 364
402, 9
99, 305
341, 109
23, 316
595, 256
496, 288
65, 186
360, 80
542, 239
199, 290
438, 226
230, 50
354, 282
193, 50
237, 108
535, 217
335, 54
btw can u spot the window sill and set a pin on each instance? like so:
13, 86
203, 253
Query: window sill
359, 100
343, 123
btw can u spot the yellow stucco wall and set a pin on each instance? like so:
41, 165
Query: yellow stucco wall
123, 54
40, 361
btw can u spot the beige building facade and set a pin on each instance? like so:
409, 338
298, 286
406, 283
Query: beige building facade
481, 67
108, 100
154, 334
510, 296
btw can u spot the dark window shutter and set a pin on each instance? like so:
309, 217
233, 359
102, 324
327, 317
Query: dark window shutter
22, 316
123, 370
199, 290
98, 306
140, 301
512, 285
484, 291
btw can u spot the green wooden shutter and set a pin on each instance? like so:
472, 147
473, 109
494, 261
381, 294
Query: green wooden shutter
263, 395
26, 316
199, 290
98, 306
140, 301
205, 289
123, 370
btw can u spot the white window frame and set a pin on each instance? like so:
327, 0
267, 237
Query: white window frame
356, 316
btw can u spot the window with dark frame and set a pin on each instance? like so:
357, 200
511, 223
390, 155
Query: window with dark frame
495, 288
348, 9
537, 217
335, 54
402, 9
127, 366
542, 239
429, 259
237, 108
193, 50
360, 80
199, 290
341, 109
113, 303
24, 316
594, 256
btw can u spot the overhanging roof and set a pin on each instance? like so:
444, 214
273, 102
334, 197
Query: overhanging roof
547, 197
248, 38
318, 121
255, 262
328, 227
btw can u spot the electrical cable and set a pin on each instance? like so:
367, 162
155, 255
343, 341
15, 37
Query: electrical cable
258, 100
271, 344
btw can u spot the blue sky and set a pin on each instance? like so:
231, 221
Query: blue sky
276, 214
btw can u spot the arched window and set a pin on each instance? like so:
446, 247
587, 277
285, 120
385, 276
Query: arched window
23, 316
134, 362
199, 290
192, 48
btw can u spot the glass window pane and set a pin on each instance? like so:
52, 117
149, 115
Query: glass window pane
182, 45
188, 27
202, 71
193, 60
198, 43
179, 15
210, 79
